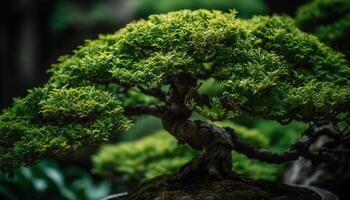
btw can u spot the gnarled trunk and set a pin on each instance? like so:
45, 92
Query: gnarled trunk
213, 142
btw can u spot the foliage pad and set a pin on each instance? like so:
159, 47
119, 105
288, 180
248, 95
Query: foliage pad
55, 122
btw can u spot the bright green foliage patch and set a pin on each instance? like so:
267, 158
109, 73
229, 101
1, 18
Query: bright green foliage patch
55, 122
143, 159
160, 154
329, 20
72, 104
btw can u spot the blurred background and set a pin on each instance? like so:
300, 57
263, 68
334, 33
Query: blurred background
33, 34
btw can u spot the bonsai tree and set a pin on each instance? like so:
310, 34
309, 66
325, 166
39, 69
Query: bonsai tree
266, 66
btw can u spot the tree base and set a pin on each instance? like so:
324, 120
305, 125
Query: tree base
169, 188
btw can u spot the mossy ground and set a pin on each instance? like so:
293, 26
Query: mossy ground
167, 188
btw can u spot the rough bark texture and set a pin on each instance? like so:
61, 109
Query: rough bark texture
214, 144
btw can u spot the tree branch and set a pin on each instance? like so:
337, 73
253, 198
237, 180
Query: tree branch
301, 148
261, 154
142, 109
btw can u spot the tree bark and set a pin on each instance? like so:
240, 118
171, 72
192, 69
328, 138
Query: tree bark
214, 145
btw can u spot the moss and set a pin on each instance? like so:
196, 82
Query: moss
166, 187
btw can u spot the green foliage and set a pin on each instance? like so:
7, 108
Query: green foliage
78, 104
280, 137
292, 77
47, 181
53, 122
143, 159
214, 112
329, 20
250, 135
246, 8
267, 66
160, 153
143, 126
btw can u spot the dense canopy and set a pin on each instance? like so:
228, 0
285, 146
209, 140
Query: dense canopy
266, 66
266, 59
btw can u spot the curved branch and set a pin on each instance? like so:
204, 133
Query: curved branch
301, 148
142, 109
254, 152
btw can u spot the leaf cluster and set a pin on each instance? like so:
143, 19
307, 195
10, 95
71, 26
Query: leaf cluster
54, 122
